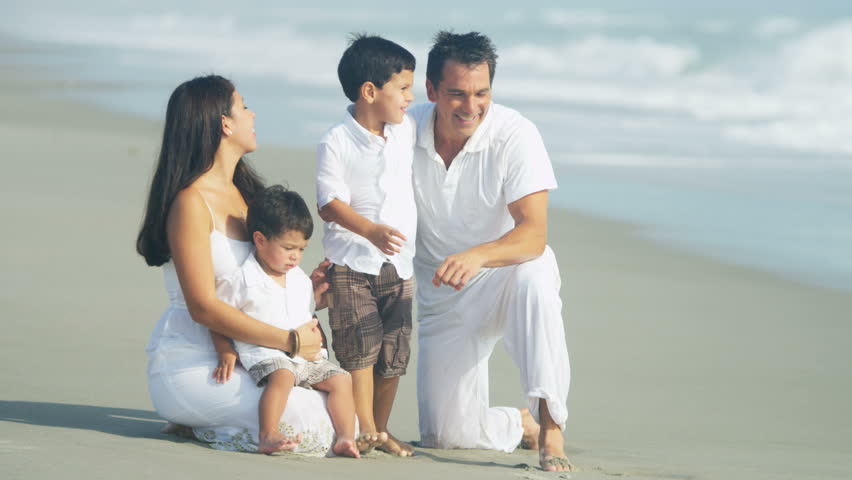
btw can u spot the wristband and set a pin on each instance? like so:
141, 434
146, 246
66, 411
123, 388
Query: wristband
297, 343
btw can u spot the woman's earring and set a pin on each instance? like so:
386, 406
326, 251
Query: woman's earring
228, 132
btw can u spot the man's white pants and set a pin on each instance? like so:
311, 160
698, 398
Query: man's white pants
457, 332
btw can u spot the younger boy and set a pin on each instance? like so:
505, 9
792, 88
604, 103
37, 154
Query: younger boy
271, 287
365, 195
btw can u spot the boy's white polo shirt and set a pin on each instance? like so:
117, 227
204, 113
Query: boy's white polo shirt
373, 176
467, 204
256, 294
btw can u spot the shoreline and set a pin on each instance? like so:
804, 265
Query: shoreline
683, 366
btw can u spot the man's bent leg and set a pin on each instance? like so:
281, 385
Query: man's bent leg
535, 335
452, 377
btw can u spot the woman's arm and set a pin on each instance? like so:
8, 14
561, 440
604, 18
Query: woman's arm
188, 228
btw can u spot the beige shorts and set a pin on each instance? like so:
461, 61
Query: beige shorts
307, 374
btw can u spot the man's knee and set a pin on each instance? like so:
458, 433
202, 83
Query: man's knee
538, 277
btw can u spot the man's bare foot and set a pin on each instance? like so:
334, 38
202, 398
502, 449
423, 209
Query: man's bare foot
182, 431
396, 447
346, 447
366, 442
551, 456
274, 442
531, 430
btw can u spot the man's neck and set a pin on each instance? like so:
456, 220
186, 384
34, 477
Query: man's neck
447, 145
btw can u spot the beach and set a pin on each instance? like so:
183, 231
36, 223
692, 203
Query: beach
682, 367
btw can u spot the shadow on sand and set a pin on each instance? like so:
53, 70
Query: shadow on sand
116, 421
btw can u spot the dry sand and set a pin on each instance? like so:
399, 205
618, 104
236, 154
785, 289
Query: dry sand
682, 367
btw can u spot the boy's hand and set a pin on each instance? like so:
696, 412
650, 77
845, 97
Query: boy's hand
386, 238
227, 360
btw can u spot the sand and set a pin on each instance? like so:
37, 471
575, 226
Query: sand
682, 367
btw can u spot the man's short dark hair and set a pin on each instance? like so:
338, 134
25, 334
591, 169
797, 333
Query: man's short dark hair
471, 48
371, 58
276, 211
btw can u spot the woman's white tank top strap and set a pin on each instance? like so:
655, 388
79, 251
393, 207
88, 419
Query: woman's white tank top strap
227, 255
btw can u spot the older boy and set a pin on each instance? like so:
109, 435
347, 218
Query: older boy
364, 193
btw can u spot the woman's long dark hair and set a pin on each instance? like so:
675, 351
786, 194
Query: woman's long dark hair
191, 136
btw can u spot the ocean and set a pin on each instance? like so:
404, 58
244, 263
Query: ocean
719, 129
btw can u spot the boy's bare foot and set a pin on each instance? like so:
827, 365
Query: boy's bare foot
551, 456
182, 431
274, 442
396, 447
346, 447
366, 442
531, 430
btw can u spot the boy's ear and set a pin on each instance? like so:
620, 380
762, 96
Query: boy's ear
369, 91
258, 238
431, 91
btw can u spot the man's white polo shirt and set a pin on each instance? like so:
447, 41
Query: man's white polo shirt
373, 176
467, 204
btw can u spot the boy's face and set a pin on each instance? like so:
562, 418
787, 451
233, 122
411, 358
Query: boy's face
281, 253
394, 96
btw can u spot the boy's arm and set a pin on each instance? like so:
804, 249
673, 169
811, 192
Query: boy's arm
227, 357
333, 197
228, 293
384, 237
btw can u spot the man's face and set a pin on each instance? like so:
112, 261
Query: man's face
461, 99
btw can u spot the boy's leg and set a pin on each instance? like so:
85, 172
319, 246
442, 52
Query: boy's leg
394, 297
273, 401
383, 398
362, 392
342, 411
356, 339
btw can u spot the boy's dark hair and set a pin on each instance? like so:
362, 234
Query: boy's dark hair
276, 210
371, 58
466, 48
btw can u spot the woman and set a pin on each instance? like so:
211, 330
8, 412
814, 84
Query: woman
194, 228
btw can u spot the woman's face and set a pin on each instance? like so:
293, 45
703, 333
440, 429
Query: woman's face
240, 124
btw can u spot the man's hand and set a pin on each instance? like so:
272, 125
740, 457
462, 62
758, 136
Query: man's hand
320, 284
227, 360
386, 238
458, 268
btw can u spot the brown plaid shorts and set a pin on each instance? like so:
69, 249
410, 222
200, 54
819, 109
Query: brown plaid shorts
370, 319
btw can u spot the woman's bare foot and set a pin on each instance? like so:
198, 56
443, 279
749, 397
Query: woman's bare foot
396, 447
274, 442
182, 431
346, 447
366, 442
531, 430
551, 456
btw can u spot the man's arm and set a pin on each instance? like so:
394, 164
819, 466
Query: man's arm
523, 243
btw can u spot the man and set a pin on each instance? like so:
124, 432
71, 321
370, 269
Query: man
484, 271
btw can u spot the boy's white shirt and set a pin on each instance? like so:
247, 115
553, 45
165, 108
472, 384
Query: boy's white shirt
373, 176
257, 295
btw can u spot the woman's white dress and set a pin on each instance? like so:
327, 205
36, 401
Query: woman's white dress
181, 360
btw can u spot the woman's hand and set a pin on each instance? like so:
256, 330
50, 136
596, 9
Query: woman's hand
310, 340
227, 360
318, 279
